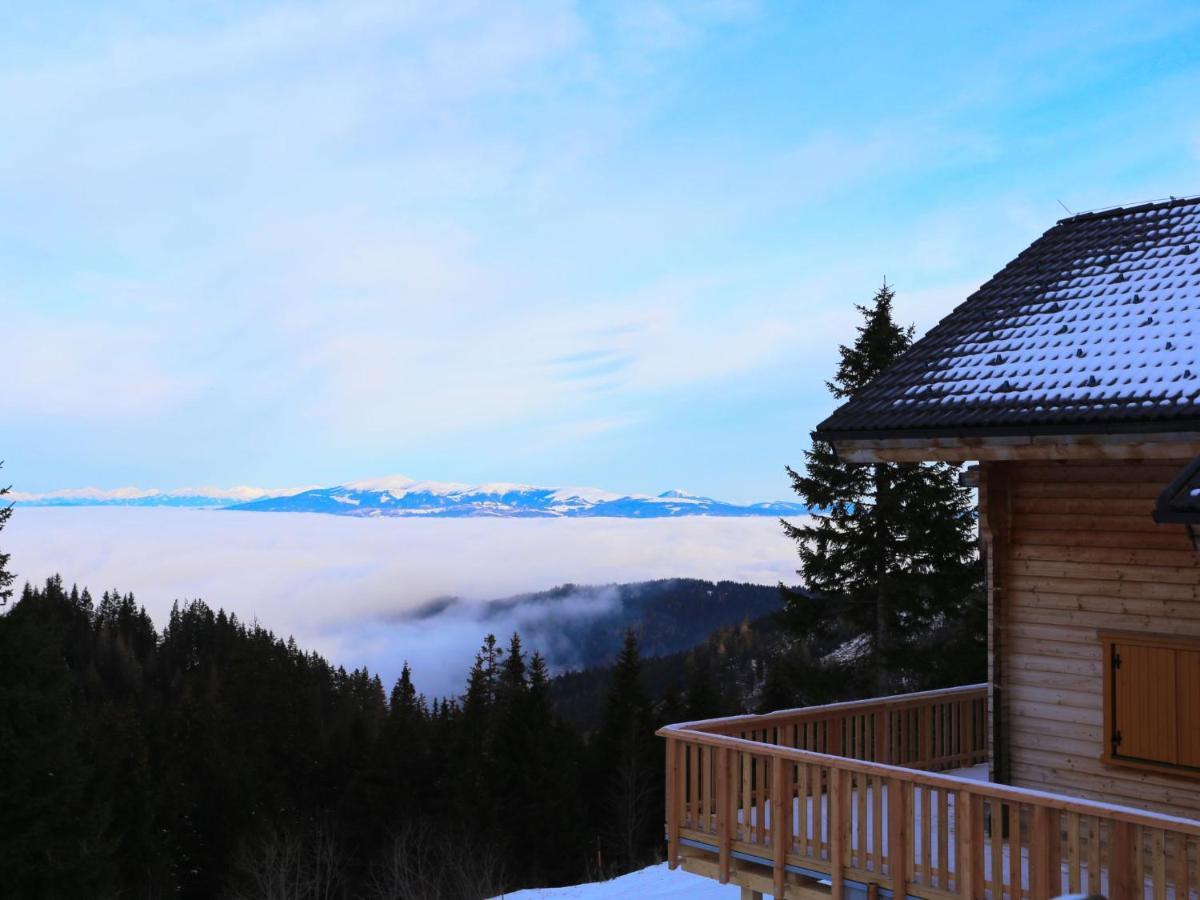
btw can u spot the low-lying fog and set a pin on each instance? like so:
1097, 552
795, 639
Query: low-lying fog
349, 588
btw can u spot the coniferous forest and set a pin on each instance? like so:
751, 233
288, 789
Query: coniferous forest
214, 759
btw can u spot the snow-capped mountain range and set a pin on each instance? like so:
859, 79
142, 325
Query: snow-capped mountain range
399, 496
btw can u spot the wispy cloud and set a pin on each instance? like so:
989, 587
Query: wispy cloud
285, 239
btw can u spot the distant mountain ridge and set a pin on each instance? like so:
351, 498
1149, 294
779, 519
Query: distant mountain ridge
398, 496
199, 497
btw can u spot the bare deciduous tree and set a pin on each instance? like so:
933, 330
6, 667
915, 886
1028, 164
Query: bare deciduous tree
424, 862
293, 864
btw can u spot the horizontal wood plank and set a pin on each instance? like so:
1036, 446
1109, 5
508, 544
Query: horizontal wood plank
1084, 556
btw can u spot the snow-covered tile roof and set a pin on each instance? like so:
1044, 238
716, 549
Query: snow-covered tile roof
1093, 328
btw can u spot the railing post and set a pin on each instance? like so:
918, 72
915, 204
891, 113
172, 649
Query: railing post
674, 797
837, 832
781, 818
724, 820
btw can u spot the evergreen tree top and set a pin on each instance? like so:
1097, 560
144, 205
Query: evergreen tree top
880, 341
6, 577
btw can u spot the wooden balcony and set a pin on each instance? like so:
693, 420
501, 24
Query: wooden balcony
861, 799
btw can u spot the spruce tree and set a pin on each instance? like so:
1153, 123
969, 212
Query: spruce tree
626, 760
6, 577
890, 547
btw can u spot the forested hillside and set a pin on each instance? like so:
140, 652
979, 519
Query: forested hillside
583, 626
215, 759
724, 674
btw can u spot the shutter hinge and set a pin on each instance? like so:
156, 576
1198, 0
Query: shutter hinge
1116, 739
1116, 660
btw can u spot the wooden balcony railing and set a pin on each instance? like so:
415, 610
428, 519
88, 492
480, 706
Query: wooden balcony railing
846, 800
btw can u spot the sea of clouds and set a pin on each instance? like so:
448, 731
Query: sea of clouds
365, 591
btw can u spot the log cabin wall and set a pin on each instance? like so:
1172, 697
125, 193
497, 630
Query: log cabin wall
1071, 550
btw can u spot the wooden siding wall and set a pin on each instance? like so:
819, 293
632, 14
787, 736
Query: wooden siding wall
1072, 549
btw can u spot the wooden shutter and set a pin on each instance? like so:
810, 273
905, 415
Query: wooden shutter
1187, 689
1145, 703
1152, 699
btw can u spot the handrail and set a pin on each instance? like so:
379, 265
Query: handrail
841, 792
893, 701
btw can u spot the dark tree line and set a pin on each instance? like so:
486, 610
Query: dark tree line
215, 759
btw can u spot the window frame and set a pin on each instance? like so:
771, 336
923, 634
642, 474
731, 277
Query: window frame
1108, 639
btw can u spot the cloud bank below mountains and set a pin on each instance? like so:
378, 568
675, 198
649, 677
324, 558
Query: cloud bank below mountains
349, 587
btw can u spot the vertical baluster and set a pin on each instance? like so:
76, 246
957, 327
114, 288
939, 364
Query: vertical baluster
1158, 858
925, 738
723, 809
898, 851
954, 748
968, 845
1093, 854
943, 718
760, 785
927, 834
694, 791
1182, 881
747, 763
877, 822
860, 786
802, 804
817, 773
943, 838
1120, 859
1074, 879
959, 728
1139, 859
1015, 880
1043, 865
705, 787
1188, 843
997, 848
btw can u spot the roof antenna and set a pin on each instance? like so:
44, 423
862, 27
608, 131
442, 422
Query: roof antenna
1064, 206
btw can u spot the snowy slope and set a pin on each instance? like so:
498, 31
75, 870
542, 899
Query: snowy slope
655, 883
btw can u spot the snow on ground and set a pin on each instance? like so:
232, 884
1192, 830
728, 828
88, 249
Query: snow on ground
654, 883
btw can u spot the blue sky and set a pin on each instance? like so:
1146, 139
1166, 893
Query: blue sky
613, 244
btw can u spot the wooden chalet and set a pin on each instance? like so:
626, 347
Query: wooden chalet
1073, 379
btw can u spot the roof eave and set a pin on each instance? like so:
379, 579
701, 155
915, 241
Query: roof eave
1177, 443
